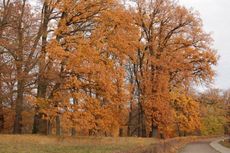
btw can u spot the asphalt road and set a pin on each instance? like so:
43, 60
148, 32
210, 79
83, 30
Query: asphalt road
198, 147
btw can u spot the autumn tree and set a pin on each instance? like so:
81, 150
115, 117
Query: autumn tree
88, 51
92, 67
213, 112
19, 41
48, 20
174, 52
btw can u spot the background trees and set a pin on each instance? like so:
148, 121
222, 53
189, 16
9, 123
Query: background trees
98, 68
213, 112
18, 51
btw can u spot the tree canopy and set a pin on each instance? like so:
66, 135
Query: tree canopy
100, 67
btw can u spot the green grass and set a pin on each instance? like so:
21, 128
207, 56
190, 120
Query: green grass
51, 144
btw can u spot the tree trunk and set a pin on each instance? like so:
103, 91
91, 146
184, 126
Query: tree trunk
39, 122
185, 133
1, 117
144, 134
120, 132
73, 132
35, 124
130, 120
129, 125
178, 130
19, 108
154, 130
58, 125
20, 73
49, 128
40, 125
141, 122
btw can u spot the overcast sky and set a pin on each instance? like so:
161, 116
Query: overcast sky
216, 19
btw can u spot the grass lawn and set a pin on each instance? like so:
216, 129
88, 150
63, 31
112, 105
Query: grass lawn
225, 143
51, 144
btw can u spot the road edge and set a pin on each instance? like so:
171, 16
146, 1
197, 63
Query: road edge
217, 146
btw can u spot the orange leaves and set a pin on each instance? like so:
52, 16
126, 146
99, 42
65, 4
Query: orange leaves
9, 116
119, 36
92, 43
100, 57
173, 52
56, 51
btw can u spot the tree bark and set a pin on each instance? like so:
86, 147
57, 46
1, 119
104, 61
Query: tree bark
141, 122
20, 73
19, 108
58, 125
129, 132
39, 122
73, 132
1, 117
35, 123
129, 123
143, 127
154, 130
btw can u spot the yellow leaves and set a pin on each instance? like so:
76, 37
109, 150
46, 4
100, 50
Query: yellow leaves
186, 114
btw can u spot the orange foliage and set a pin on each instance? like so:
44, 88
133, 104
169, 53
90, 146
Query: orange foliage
90, 50
174, 52
87, 64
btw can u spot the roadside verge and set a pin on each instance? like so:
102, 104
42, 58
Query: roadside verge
217, 146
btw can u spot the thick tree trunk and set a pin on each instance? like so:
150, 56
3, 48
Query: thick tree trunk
20, 73
120, 132
154, 131
39, 122
19, 108
129, 124
141, 122
58, 125
178, 130
130, 120
35, 124
144, 134
73, 132
49, 128
40, 125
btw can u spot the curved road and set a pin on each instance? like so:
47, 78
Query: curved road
198, 147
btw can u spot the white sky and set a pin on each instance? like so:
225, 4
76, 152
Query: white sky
216, 19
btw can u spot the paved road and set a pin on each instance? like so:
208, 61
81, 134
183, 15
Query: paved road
198, 147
